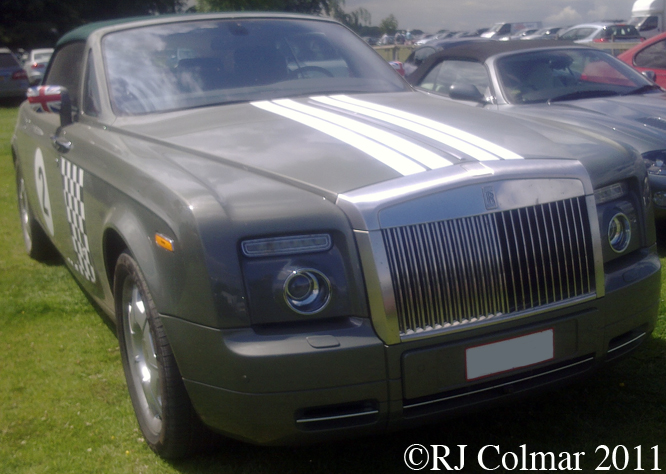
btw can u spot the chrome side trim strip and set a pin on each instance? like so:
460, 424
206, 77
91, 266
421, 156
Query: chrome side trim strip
337, 417
627, 343
531, 377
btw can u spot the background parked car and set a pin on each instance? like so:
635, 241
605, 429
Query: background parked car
571, 84
601, 33
649, 56
504, 30
648, 17
13, 79
522, 33
544, 33
35, 64
421, 53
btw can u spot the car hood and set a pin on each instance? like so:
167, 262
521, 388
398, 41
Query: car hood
335, 144
639, 121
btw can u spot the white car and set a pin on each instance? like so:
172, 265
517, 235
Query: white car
601, 33
35, 64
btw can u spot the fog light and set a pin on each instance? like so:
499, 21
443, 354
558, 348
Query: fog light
619, 232
307, 291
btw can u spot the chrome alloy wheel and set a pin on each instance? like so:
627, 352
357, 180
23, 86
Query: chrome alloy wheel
141, 357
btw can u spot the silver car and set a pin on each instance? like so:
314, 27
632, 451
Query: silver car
601, 33
571, 84
292, 253
13, 79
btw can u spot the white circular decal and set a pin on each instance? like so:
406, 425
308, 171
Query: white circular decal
43, 190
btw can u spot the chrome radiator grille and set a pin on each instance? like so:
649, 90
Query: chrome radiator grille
463, 270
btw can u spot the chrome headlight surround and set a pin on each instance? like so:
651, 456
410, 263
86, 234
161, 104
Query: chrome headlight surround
617, 206
619, 232
307, 291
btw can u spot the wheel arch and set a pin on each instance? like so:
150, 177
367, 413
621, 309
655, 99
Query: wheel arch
127, 231
174, 277
114, 246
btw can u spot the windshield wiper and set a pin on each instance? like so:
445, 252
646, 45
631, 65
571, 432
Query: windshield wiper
583, 95
642, 89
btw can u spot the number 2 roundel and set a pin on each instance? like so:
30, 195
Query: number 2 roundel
43, 190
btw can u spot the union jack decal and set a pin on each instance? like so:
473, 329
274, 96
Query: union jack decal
45, 98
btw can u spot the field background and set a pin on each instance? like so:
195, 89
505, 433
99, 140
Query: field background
64, 407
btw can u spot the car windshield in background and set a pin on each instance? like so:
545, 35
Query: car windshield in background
555, 75
42, 57
199, 63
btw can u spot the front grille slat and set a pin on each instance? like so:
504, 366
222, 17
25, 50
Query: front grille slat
458, 271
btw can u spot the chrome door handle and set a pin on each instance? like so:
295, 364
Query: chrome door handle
61, 144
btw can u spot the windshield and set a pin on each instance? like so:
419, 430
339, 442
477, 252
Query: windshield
199, 63
496, 27
42, 57
566, 74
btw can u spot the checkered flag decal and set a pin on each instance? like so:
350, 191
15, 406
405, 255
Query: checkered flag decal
72, 180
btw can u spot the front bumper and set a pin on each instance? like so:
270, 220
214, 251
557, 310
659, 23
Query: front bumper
338, 378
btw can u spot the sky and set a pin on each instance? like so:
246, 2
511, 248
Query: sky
433, 15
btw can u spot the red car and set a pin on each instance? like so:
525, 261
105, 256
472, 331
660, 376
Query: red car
649, 56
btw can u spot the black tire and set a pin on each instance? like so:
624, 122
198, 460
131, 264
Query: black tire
37, 244
163, 409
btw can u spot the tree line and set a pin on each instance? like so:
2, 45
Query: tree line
39, 23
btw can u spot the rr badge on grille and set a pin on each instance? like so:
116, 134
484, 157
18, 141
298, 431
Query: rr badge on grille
489, 197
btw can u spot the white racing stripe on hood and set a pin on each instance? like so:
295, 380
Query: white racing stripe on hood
465, 142
389, 157
411, 150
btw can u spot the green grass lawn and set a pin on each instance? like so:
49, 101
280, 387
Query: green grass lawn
64, 407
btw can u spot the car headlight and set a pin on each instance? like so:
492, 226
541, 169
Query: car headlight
299, 278
307, 291
616, 208
619, 232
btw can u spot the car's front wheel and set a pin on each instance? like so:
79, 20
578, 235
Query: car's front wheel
166, 417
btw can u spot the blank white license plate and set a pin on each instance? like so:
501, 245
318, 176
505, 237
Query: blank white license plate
509, 354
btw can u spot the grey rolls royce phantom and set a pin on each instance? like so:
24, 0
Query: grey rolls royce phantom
296, 245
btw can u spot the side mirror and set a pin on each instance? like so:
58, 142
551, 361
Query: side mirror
53, 100
461, 91
650, 75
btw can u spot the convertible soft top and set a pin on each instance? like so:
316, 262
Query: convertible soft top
480, 51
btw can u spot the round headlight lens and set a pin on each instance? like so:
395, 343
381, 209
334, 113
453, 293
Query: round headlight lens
307, 291
619, 232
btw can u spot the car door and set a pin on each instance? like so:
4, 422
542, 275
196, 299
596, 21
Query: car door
56, 174
653, 58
